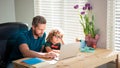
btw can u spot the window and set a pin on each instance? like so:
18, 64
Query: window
114, 24
117, 25
60, 13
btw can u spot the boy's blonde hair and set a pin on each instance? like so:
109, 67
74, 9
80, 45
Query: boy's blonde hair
54, 32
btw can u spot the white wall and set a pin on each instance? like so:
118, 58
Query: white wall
100, 11
7, 11
24, 11
16, 10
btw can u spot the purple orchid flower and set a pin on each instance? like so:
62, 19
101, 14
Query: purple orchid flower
84, 8
76, 6
82, 13
90, 8
87, 5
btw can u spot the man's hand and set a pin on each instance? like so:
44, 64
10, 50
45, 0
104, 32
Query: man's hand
50, 55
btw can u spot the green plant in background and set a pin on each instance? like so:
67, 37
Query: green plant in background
87, 19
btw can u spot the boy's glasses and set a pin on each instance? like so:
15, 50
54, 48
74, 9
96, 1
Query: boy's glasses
58, 36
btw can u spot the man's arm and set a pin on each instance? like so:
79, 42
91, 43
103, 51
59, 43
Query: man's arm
24, 49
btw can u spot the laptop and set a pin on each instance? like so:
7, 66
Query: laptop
68, 51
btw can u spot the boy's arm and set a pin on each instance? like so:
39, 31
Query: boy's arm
48, 49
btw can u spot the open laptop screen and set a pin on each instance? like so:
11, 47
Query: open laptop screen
69, 50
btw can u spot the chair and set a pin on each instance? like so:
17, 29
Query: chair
8, 34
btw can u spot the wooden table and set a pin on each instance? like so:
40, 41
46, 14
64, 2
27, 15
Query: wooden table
83, 60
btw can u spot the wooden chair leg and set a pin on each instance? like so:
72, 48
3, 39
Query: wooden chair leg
117, 61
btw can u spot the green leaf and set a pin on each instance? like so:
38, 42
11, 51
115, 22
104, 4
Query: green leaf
92, 17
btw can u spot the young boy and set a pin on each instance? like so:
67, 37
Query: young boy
54, 41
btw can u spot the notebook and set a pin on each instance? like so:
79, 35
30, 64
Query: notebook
68, 51
31, 61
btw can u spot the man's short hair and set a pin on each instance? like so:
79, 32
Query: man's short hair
38, 19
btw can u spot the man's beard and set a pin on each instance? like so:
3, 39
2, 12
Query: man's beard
37, 35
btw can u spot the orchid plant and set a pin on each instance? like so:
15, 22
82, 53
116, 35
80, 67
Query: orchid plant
87, 19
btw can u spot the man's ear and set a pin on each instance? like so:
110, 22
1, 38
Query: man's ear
33, 27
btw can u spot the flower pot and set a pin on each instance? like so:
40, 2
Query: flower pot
90, 41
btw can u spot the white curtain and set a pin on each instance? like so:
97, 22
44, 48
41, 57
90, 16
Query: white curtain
113, 22
117, 25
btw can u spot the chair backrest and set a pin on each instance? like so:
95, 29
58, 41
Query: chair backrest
9, 32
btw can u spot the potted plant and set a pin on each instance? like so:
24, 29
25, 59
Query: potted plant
87, 22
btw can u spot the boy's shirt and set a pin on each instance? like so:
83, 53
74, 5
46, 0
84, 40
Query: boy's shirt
52, 46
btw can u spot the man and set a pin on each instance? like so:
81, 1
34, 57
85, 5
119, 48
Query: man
29, 44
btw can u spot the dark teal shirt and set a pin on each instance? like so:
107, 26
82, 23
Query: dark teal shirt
27, 38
